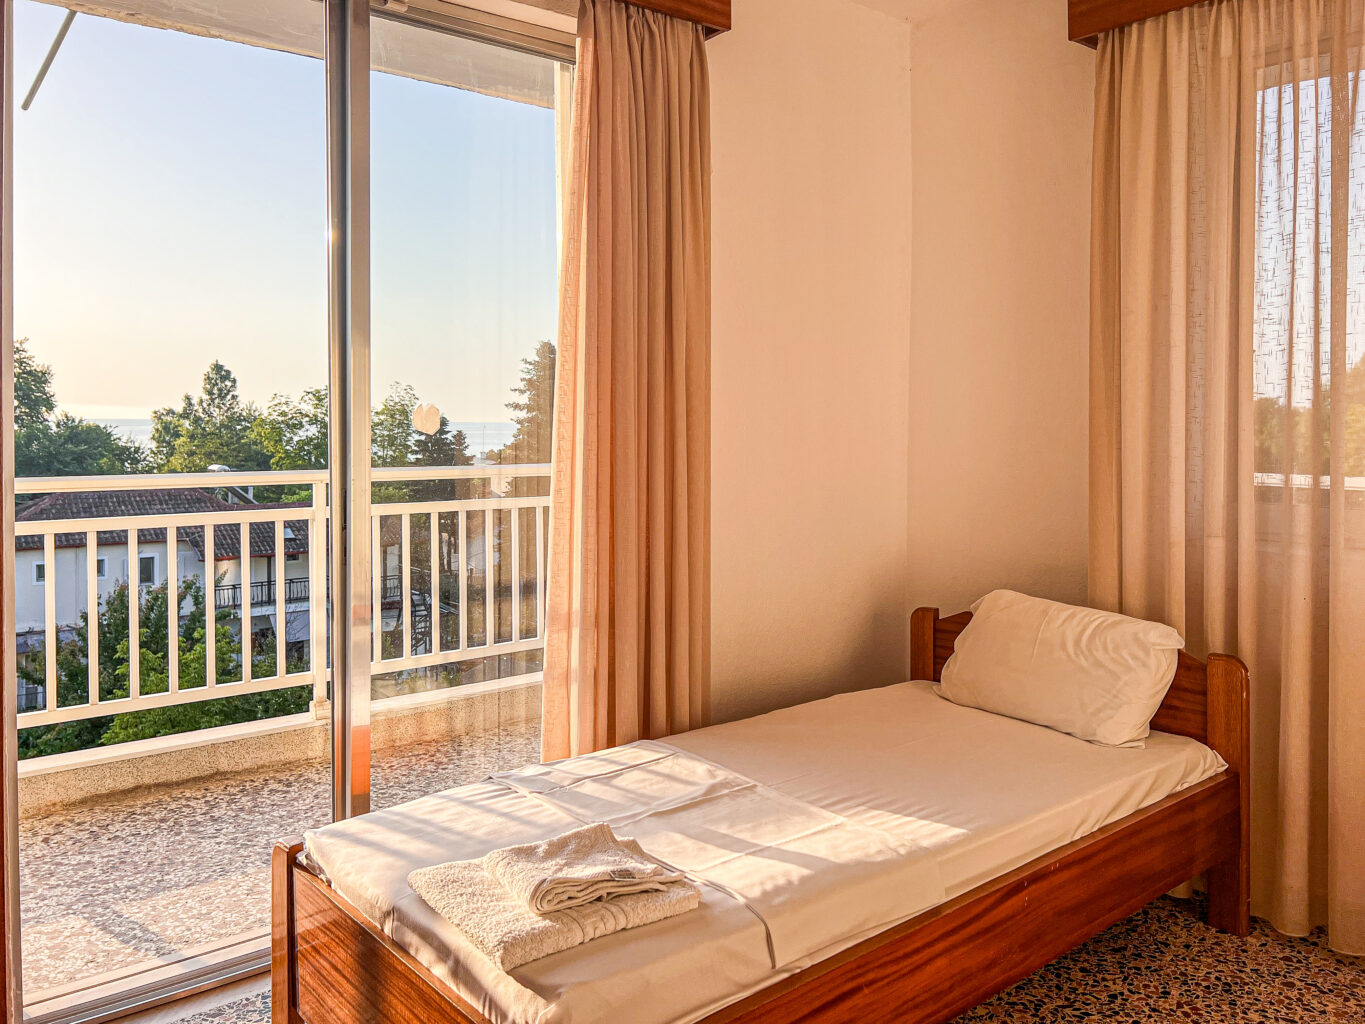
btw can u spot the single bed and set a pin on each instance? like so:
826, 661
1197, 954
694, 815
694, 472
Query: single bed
995, 845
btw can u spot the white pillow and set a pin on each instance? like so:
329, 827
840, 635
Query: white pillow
1093, 674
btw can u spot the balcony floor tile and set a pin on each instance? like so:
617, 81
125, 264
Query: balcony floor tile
141, 877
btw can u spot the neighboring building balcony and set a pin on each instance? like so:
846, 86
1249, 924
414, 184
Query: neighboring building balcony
263, 593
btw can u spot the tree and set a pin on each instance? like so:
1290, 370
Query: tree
393, 439
213, 429
1303, 424
154, 677
391, 433
294, 432
533, 411
443, 448
70, 446
34, 399
534, 416
47, 443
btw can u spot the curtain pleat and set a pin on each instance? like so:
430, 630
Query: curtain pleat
1228, 399
627, 651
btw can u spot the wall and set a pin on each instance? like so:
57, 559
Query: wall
1002, 120
810, 351
30, 599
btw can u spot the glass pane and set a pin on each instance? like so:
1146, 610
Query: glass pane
465, 160
170, 279
1296, 341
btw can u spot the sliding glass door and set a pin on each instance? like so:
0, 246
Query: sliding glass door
464, 242
170, 307
284, 304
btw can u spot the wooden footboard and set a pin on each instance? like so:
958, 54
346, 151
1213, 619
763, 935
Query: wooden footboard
331, 965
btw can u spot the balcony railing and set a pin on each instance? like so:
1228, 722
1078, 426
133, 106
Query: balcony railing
263, 593
441, 612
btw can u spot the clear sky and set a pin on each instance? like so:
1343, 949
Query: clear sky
170, 210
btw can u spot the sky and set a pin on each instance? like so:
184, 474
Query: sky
170, 210
1294, 240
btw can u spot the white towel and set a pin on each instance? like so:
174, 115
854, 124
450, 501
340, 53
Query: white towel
575, 868
510, 934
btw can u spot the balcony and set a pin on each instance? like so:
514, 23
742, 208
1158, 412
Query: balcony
263, 593
148, 858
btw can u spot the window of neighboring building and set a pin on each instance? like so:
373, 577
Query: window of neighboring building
146, 570
39, 573
99, 569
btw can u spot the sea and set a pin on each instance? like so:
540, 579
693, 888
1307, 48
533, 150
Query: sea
480, 436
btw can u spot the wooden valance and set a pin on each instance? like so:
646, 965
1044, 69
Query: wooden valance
1087, 19
714, 14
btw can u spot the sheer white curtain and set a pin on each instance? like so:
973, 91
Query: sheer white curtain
1228, 398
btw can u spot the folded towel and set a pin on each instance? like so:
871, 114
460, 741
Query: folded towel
587, 864
509, 933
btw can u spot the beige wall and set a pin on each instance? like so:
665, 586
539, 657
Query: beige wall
1002, 121
891, 431
810, 352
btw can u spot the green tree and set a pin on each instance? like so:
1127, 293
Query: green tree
1354, 394
70, 446
212, 429
48, 443
393, 439
446, 447
153, 675
391, 433
293, 432
533, 413
34, 399
1302, 424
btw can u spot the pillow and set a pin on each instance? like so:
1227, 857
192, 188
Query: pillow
1095, 675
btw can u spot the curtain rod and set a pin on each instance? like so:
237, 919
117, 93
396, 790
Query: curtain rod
1087, 20
714, 15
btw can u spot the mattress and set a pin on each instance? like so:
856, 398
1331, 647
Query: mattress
973, 794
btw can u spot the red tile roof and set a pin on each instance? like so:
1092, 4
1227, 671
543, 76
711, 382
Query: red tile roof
162, 502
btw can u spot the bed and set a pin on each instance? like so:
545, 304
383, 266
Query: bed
996, 846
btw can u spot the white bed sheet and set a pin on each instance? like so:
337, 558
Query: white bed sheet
983, 792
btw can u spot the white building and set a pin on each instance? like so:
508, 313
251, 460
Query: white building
69, 572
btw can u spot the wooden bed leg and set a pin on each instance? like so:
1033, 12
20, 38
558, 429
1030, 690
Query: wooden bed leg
1229, 733
283, 967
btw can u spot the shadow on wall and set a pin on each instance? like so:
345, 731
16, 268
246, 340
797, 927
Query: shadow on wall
875, 652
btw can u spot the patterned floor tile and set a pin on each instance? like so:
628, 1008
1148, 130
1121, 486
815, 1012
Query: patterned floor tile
1160, 966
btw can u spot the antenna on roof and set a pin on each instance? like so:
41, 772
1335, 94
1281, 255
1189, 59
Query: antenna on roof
47, 61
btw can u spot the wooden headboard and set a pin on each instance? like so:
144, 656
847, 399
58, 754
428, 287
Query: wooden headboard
1207, 701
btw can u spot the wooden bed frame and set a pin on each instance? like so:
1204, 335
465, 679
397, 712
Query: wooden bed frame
331, 965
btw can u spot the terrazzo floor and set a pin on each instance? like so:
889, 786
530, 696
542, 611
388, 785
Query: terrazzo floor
1160, 966
140, 878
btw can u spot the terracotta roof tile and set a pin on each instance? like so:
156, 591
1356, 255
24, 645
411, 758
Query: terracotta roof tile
161, 502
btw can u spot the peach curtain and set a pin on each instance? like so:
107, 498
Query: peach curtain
1228, 399
627, 647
